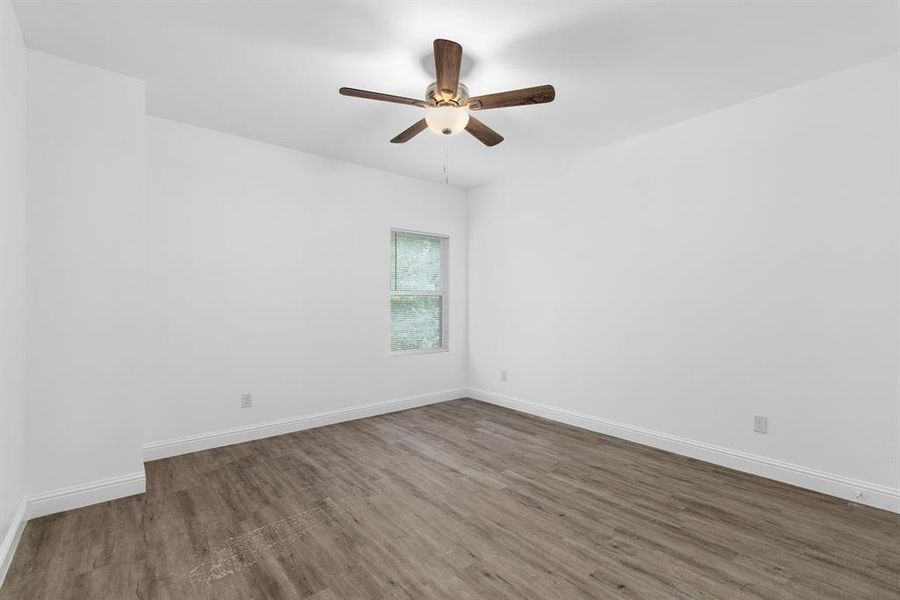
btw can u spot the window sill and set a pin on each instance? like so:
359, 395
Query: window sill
414, 352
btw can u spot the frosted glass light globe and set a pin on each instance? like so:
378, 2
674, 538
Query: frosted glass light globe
446, 120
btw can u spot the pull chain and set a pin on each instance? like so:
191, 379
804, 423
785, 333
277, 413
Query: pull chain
446, 171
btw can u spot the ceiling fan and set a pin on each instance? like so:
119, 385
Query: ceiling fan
447, 102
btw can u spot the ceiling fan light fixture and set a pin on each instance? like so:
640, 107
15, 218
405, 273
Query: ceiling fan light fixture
447, 120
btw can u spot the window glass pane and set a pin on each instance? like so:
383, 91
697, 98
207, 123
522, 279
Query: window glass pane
415, 322
415, 262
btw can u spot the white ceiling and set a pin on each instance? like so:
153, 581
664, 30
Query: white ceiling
271, 70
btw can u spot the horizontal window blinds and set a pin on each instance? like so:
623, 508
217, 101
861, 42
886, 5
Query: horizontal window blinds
417, 292
415, 323
415, 262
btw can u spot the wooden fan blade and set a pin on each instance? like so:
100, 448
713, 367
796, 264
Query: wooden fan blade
355, 93
485, 134
447, 62
408, 134
533, 95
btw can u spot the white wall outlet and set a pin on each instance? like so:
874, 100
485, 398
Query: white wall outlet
502, 375
760, 424
246, 400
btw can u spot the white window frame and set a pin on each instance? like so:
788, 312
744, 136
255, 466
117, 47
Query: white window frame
443, 293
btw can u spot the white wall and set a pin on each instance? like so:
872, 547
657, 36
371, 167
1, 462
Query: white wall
12, 271
273, 279
87, 273
744, 262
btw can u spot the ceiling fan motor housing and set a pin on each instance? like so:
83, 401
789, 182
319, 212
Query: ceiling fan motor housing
435, 98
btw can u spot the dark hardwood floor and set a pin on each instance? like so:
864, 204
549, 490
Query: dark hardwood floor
460, 500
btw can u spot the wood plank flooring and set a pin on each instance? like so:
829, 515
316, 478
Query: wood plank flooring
461, 500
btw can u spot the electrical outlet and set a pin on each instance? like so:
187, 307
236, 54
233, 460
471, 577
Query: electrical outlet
760, 424
502, 375
246, 400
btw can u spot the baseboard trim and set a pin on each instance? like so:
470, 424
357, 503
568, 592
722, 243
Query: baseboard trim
11, 540
237, 435
54, 501
873, 494
85, 494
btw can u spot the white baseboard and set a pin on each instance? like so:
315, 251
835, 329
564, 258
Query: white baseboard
54, 501
85, 494
873, 494
237, 435
11, 540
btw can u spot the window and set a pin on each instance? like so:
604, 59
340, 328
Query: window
418, 292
